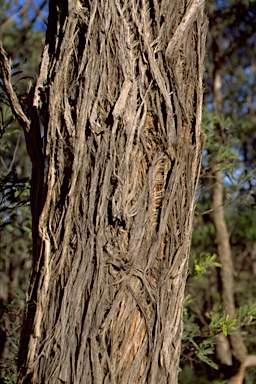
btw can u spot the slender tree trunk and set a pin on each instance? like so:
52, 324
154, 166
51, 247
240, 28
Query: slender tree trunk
237, 351
120, 97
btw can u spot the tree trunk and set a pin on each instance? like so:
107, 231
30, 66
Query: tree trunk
236, 353
120, 98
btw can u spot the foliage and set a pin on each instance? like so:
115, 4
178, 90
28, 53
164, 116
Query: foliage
199, 340
202, 263
220, 151
196, 376
231, 48
10, 321
23, 43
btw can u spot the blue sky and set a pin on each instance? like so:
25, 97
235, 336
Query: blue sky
16, 12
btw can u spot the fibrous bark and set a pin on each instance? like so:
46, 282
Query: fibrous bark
120, 97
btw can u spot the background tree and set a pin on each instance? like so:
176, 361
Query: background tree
23, 41
113, 183
228, 179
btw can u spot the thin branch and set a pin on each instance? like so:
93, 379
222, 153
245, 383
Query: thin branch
7, 21
21, 12
5, 74
250, 361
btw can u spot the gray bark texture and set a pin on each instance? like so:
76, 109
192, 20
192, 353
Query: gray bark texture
119, 95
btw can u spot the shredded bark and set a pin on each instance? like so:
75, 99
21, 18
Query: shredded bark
121, 111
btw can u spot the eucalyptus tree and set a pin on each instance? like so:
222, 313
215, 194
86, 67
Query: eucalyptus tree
112, 126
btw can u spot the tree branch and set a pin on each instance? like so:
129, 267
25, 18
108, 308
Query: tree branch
5, 74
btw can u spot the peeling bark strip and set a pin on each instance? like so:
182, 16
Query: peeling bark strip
121, 112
